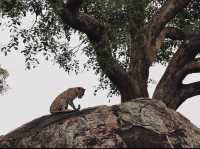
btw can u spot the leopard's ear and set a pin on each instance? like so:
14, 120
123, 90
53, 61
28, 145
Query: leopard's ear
81, 89
78, 90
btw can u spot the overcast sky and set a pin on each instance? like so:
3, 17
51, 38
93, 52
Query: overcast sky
31, 92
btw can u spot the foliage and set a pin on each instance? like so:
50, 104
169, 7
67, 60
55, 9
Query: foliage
44, 36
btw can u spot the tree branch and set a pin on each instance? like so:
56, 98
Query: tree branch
154, 35
182, 64
189, 90
167, 12
69, 14
174, 33
97, 34
193, 67
178, 34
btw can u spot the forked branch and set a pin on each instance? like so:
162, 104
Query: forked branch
171, 88
154, 30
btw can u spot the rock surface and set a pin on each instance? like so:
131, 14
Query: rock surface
139, 123
1, 137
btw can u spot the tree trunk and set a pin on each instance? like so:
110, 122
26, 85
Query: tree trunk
142, 123
139, 67
113, 70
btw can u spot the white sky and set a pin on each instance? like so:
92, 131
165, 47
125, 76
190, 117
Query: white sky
31, 92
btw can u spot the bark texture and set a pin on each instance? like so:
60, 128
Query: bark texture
138, 123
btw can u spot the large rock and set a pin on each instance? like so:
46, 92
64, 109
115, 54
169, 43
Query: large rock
1, 137
139, 123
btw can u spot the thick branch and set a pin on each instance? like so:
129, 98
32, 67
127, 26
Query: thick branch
193, 67
174, 33
167, 12
98, 35
178, 34
190, 90
154, 34
183, 63
69, 14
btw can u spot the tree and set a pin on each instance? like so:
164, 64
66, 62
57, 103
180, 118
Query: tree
123, 40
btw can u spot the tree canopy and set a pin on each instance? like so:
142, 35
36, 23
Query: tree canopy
121, 38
